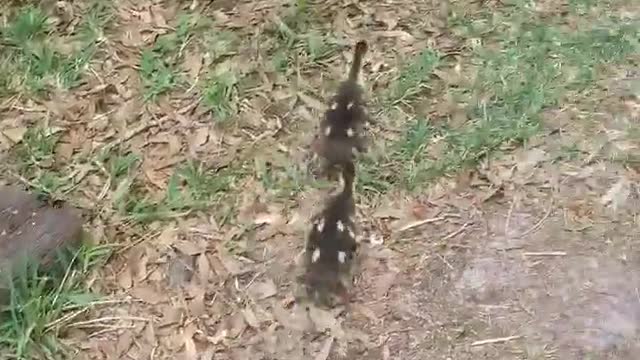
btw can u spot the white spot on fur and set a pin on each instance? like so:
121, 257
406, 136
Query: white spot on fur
315, 255
340, 226
349, 105
350, 132
342, 256
352, 233
334, 105
320, 225
327, 131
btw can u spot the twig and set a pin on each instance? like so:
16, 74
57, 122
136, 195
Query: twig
457, 232
545, 253
495, 340
108, 318
445, 262
420, 223
539, 223
508, 221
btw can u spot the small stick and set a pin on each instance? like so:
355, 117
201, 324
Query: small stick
456, 233
545, 253
420, 223
495, 340
539, 223
509, 214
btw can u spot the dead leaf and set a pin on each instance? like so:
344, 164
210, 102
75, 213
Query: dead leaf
125, 278
400, 34
323, 354
263, 289
268, 218
204, 269
250, 317
190, 351
233, 266
617, 194
296, 320
197, 306
199, 137
124, 344
65, 151
528, 160
322, 319
383, 284
15, 135
312, 103
188, 247
180, 270
236, 325
193, 64
147, 294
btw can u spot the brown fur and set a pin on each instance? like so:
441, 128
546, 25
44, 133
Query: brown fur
333, 232
341, 130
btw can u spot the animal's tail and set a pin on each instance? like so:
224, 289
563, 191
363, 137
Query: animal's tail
356, 65
348, 175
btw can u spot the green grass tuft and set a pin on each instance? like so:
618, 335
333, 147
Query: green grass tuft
220, 95
414, 76
30, 323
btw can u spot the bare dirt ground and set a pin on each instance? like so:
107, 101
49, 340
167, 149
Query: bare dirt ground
530, 254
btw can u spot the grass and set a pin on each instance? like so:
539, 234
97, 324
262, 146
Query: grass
42, 304
414, 76
190, 188
220, 95
159, 64
33, 64
530, 70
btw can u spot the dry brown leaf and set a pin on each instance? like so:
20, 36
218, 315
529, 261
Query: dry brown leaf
193, 64
233, 266
180, 270
137, 263
312, 103
15, 135
64, 151
250, 317
157, 178
296, 320
322, 319
147, 294
204, 269
125, 278
126, 114
188, 247
197, 306
171, 316
124, 343
190, 351
383, 283
323, 354
199, 137
175, 145
618, 194
528, 160
263, 289
400, 34
236, 325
